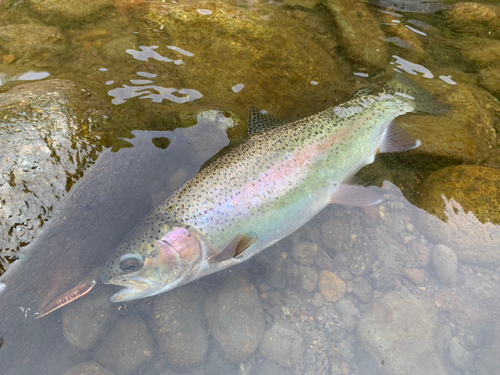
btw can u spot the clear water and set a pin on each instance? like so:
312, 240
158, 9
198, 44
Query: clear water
159, 71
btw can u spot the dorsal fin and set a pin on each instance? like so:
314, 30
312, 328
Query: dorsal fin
259, 122
237, 246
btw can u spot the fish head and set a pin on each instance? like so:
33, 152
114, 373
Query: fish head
147, 264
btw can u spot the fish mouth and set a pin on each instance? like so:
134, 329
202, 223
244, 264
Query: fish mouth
135, 288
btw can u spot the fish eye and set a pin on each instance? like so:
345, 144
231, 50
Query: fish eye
130, 263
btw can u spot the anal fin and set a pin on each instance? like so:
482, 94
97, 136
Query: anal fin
396, 139
236, 247
354, 195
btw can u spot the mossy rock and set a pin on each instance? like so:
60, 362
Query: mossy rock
475, 189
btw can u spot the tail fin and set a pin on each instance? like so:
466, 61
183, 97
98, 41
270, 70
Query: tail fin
421, 98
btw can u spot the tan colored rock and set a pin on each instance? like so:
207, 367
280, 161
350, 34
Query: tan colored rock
475, 18
274, 66
465, 134
331, 287
415, 275
489, 78
360, 32
72, 9
481, 52
466, 217
475, 189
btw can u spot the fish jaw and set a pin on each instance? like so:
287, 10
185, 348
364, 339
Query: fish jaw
135, 288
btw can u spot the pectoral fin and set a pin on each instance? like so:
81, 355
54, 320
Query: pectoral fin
236, 247
354, 195
396, 139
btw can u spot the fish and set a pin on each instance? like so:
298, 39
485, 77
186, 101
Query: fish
264, 189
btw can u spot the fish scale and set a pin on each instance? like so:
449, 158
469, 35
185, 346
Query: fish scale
263, 190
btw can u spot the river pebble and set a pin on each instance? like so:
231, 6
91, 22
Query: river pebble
87, 320
308, 278
363, 291
230, 311
415, 275
283, 345
419, 253
179, 326
126, 347
460, 357
445, 264
331, 287
305, 253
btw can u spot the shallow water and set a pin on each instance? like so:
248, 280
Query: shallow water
178, 85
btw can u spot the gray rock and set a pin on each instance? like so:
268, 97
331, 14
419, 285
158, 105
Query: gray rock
88, 368
308, 278
283, 345
217, 364
349, 313
292, 272
305, 253
419, 253
398, 330
235, 317
46, 145
269, 368
334, 233
323, 260
460, 357
179, 326
445, 264
490, 362
361, 258
87, 320
128, 346
276, 271
362, 291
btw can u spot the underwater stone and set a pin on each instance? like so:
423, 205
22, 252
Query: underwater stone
399, 331
445, 264
469, 223
88, 368
179, 326
360, 33
305, 253
308, 278
50, 134
489, 78
235, 318
283, 345
86, 321
68, 10
331, 287
127, 346
474, 18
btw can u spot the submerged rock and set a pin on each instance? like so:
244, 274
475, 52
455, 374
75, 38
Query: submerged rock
445, 264
88, 368
360, 33
470, 211
331, 287
474, 18
398, 330
127, 346
70, 10
179, 326
283, 345
236, 319
248, 44
86, 320
305, 253
50, 133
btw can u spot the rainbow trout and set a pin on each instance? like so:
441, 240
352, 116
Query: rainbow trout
264, 189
